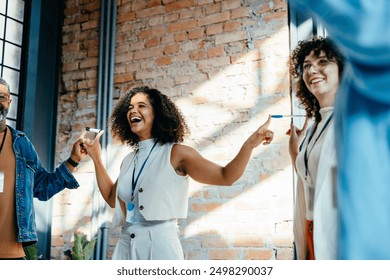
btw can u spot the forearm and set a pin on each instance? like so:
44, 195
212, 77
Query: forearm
105, 184
234, 169
293, 156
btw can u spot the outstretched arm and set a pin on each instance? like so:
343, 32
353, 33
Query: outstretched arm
106, 186
187, 160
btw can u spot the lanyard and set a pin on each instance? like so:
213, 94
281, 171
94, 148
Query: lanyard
307, 146
2, 143
134, 183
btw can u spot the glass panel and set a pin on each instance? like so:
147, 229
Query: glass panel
16, 9
13, 108
11, 123
12, 78
14, 32
2, 6
12, 56
1, 50
2, 24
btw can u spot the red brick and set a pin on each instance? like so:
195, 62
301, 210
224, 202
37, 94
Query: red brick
230, 37
161, 61
125, 18
230, 4
171, 49
153, 3
152, 42
150, 12
240, 13
227, 254
213, 9
217, 51
182, 25
195, 34
178, 5
196, 55
214, 29
215, 18
232, 26
258, 254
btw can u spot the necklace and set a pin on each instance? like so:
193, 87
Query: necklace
134, 183
2, 143
307, 153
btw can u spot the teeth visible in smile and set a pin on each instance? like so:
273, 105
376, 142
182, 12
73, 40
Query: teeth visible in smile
316, 81
135, 119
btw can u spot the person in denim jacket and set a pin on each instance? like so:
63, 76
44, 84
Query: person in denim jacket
23, 177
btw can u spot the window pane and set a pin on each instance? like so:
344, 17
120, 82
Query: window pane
13, 108
2, 24
2, 6
12, 77
11, 123
16, 9
12, 56
1, 50
14, 32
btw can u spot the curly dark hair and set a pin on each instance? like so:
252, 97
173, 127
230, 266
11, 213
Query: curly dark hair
169, 125
307, 100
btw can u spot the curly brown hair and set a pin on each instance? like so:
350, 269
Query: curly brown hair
169, 125
307, 100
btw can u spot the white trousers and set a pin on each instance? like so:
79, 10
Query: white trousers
149, 243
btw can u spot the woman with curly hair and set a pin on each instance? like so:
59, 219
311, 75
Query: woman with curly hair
151, 192
317, 65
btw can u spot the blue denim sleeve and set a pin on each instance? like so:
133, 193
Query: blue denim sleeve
47, 184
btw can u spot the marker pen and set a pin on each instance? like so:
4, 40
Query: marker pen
286, 116
92, 129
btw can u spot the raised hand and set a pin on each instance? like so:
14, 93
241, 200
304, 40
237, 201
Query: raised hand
296, 137
262, 135
93, 147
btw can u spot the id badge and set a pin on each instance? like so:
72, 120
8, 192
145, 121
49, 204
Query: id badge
130, 212
1, 181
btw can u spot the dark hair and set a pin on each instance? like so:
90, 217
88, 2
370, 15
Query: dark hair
317, 44
169, 125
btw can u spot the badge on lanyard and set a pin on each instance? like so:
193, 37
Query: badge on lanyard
130, 212
1, 181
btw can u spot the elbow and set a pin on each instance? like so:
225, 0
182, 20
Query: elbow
111, 202
229, 183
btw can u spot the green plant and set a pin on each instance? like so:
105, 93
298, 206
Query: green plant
82, 248
31, 251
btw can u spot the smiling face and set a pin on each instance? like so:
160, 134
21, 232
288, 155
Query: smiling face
321, 77
141, 116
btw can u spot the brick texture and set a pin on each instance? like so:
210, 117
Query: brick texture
225, 65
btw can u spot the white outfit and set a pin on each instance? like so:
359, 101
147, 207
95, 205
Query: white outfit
160, 197
315, 194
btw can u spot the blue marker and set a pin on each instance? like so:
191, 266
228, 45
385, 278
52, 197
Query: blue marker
286, 116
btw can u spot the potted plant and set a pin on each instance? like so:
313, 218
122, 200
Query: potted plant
82, 248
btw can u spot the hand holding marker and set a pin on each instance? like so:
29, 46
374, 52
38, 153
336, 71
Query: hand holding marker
91, 134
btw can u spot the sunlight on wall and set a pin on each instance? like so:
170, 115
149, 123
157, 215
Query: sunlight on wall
255, 216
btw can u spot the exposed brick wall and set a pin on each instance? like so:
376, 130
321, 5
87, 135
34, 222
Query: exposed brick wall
224, 64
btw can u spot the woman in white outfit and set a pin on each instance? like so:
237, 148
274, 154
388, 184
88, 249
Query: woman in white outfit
318, 65
151, 192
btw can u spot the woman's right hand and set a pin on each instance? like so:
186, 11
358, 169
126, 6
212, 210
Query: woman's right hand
93, 147
296, 138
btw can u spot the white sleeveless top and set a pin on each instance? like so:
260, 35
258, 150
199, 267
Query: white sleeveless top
160, 194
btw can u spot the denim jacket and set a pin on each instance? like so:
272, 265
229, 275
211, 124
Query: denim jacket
33, 180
